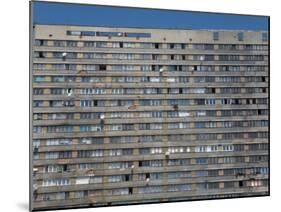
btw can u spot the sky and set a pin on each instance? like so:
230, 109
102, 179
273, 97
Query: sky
96, 15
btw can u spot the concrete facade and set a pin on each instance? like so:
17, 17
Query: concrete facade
130, 115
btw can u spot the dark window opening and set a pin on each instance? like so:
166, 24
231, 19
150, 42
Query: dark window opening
121, 45
65, 168
180, 90
41, 43
213, 90
41, 55
102, 67
130, 190
127, 177
95, 103
147, 176
225, 101
156, 45
172, 57
241, 184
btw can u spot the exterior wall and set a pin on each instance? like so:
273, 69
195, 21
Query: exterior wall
211, 125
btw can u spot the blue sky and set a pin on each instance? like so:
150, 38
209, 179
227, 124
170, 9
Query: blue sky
93, 15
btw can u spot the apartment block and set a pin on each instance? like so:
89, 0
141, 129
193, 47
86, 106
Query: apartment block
138, 115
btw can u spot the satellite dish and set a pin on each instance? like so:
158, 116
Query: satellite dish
64, 54
161, 70
69, 92
102, 116
201, 57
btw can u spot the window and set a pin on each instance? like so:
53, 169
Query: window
119, 152
88, 180
87, 33
178, 162
89, 44
215, 36
91, 128
201, 161
71, 43
56, 196
90, 153
120, 191
58, 43
150, 189
55, 182
81, 194
151, 163
77, 33
122, 127
240, 36
55, 142
137, 34
120, 165
264, 36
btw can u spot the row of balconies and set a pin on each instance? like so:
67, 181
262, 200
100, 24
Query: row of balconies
147, 51
135, 184
144, 108
110, 73
136, 157
149, 132
145, 96
41, 174
162, 144
137, 120
92, 201
147, 62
